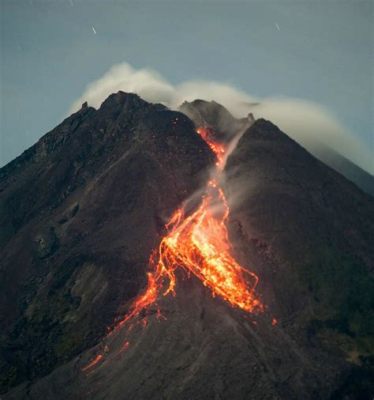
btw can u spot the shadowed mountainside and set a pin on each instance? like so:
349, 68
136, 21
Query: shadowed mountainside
315, 230
346, 167
80, 212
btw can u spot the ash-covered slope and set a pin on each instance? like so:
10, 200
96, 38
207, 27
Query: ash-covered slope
80, 213
199, 349
306, 231
353, 172
313, 232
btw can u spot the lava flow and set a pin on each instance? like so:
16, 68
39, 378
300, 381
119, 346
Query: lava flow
199, 244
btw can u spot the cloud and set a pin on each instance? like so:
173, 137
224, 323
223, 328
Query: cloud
307, 122
145, 82
312, 125
151, 86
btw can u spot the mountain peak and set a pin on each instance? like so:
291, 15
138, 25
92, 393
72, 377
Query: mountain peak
122, 99
212, 115
266, 130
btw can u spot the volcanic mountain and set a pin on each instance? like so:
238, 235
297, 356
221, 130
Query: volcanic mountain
116, 206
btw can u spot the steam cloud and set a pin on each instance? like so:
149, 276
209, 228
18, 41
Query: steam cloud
308, 123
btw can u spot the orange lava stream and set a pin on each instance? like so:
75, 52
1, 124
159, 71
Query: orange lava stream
199, 244
93, 363
218, 149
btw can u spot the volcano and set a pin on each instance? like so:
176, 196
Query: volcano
158, 254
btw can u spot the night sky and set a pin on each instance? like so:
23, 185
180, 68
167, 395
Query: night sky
314, 50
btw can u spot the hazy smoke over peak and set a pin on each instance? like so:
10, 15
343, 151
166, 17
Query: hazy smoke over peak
307, 122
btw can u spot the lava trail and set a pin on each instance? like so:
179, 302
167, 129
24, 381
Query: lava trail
199, 244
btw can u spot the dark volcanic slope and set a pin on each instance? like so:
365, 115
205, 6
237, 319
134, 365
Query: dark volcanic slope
346, 167
310, 234
304, 228
80, 212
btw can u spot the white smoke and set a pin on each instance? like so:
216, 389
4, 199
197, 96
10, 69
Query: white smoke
145, 82
305, 121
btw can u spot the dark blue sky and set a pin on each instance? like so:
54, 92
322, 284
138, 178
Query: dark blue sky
322, 51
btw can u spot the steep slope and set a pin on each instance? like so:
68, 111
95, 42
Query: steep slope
214, 116
199, 349
346, 167
80, 213
311, 233
303, 228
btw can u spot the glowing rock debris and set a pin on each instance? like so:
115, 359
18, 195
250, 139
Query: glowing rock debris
198, 243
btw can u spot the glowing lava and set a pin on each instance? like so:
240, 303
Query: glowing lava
199, 244
93, 363
219, 149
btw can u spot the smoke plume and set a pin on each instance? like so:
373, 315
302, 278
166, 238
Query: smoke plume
308, 123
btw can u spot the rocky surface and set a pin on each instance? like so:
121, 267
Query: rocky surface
80, 212
81, 250
341, 164
200, 349
309, 234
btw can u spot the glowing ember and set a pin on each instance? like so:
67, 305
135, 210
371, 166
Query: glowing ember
93, 363
143, 301
199, 244
125, 346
